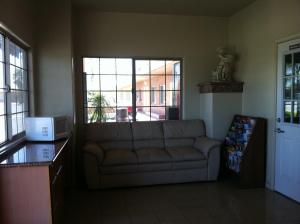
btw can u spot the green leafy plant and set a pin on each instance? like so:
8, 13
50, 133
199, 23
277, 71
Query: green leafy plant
99, 102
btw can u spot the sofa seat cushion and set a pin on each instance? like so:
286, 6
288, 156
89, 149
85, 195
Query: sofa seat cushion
135, 168
182, 165
119, 157
112, 145
151, 167
186, 153
131, 168
152, 155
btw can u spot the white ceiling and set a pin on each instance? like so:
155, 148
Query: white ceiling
220, 8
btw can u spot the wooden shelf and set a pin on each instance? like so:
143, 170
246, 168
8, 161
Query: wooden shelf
221, 87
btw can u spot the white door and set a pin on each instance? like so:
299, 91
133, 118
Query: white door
287, 176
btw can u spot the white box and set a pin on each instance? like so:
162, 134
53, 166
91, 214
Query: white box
46, 128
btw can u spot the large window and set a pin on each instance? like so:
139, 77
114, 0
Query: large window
128, 89
13, 89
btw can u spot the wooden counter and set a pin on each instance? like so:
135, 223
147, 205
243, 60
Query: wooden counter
32, 181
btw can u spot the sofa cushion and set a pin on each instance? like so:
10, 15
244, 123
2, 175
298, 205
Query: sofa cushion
205, 145
185, 154
197, 164
105, 132
145, 130
135, 168
179, 142
128, 145
94, 149
154, 143
131, 168
148, 134
152, 155
183, 129
150, 167
119, 157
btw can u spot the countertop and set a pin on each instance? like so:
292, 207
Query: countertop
34, 154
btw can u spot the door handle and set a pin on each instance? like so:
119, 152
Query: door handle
278, 130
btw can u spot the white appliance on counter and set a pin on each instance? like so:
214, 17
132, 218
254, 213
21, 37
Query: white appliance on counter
46, 128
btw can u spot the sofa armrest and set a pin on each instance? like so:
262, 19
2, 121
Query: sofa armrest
211, 150
94, 149
205, 145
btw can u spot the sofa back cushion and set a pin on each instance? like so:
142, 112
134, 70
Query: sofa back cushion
148, 134
137, 135
110, 135
182, 133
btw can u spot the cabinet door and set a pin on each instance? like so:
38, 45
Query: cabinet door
56, 185
25, 195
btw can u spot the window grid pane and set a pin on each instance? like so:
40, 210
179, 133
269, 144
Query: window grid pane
108, 82
291, 88
12, 53
1, 48
3, 136
2, 75
2, 103
91, 65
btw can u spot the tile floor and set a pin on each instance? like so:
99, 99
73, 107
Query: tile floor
193, 203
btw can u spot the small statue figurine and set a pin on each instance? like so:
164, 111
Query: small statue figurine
224, 69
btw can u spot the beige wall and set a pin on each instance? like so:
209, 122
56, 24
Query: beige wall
217, 111
46, 27
54, 58
253, 32
195, 39
54, 74
18, 17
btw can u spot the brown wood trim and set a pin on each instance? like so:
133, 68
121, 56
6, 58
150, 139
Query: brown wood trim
221, 87
13, 37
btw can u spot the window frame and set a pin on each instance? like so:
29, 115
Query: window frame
162, 94
135, 92
153, 90
12, 140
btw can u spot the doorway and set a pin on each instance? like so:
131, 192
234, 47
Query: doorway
287, 163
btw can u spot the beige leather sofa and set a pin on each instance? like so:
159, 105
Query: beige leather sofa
147, 153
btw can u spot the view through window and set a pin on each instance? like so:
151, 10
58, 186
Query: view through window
127, 89
13, 89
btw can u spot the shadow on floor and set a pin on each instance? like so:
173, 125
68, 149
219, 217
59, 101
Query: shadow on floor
192, 203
